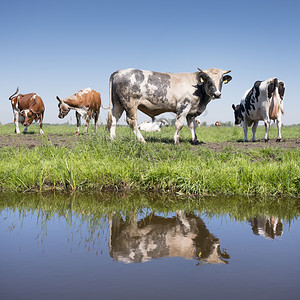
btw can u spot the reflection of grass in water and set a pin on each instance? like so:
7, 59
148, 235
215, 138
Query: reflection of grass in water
88, 215
97, 163
94, 207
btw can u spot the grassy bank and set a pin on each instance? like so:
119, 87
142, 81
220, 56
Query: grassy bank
93, 162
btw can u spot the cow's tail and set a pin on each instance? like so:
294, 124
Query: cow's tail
109, 116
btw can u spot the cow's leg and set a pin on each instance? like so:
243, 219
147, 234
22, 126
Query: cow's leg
78, 122
86, 124
113, 118
254, 127
131, 116
96, 116
192, 125
267, 126
279, 130
25, 129
41, 124
178, 126
245, 126
16, 120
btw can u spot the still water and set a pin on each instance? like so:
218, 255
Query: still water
148, 247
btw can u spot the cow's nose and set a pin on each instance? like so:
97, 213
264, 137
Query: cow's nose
217, 95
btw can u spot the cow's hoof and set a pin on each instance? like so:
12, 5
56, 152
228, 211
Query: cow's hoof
196, 142
266, 140
77, 133
278, 140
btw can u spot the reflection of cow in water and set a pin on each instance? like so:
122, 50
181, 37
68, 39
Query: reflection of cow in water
268, 227
184, 235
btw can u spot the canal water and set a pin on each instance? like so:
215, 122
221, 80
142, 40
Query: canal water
103, 246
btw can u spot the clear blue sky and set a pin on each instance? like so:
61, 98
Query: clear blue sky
59, 47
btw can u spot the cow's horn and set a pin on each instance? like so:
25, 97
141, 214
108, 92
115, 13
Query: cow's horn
225, 72
14, 93
201, 71
58, 98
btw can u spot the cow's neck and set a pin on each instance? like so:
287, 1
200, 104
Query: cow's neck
72, 104
204, 99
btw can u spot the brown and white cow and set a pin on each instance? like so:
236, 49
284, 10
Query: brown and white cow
86, 103
217, 123
27, 108
153, 93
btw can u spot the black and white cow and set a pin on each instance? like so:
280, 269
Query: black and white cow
153, 93
264, 101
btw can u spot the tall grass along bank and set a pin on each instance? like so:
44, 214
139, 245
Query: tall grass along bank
94, 162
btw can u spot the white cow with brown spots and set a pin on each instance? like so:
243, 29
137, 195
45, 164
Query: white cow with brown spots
86, 103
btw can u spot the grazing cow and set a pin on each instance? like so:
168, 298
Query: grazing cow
184, 235
27, 108
86, 103
264, 101
153, 93
218, 123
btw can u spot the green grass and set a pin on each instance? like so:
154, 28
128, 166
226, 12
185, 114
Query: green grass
93, 162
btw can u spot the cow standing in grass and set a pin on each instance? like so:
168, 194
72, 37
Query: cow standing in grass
86, 103
153, 93
27, 108
264, 101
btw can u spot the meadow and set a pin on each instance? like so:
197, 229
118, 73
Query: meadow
221, 165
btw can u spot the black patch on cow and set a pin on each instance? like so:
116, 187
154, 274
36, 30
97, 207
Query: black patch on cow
252, 97
161, 82
183, 106
139, 75
238, 116
136, 88
203, 97
271, 87
281, 89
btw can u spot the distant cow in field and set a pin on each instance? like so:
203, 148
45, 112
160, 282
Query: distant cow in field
153, 126
218, 123
153, 93
150, 126
86, 103
27, 108
264, 101
184, 235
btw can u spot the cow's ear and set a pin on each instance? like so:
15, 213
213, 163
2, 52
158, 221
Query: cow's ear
233, 106
226, 78
201, 77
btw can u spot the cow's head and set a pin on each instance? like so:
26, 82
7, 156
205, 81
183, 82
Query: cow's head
212, 81
63, 108
29, 115
238, 116
14, 99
